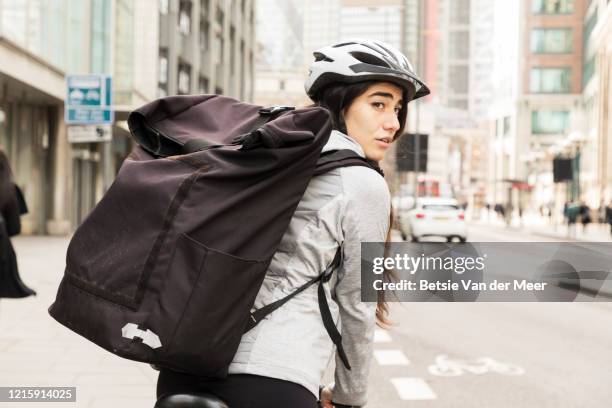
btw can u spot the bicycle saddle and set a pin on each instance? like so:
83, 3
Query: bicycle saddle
190, 401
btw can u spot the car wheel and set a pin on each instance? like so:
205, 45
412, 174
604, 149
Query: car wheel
414, 239
449, 239
462, 239
404, 236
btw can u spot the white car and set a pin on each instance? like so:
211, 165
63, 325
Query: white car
433, 217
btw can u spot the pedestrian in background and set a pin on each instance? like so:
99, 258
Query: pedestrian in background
12, 206
570, 212
585, 215
609, 215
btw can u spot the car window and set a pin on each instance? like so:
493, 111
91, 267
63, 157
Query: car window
440, 207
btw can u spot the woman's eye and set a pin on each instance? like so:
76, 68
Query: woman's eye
397, 110
378, 105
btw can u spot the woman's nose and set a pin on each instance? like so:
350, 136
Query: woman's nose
392, 123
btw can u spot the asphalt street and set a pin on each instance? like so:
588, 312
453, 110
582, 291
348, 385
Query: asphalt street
494, 354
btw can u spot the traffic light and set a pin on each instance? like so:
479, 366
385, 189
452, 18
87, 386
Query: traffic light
562, 169
411, 152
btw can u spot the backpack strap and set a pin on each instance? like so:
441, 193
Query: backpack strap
343, 158
259, 314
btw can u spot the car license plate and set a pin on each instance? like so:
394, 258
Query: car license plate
440, 217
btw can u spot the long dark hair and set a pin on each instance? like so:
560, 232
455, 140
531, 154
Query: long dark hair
336, 98
6, 180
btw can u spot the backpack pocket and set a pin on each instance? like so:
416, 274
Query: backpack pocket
211, 294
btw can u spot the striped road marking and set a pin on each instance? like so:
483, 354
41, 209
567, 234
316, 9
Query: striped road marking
410, 388
391, 357
381, 336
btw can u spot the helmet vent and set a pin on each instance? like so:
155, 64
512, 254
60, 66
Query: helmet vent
369, 59
343, 44
322, 57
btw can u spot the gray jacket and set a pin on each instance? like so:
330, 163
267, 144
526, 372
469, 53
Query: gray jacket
348, 205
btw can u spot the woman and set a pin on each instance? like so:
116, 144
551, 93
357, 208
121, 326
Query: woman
609, 215
11, 208
366, 86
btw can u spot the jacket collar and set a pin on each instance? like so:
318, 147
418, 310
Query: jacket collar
338, 141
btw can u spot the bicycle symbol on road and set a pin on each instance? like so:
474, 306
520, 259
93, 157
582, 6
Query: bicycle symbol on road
445, 367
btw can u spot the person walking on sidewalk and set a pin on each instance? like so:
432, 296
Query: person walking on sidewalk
570, 211
585, 215
12, 206
609, 215
366, 86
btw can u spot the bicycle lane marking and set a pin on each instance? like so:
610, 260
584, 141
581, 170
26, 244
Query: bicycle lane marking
381, 336
411, 388
407, 388
447, 367
391, 357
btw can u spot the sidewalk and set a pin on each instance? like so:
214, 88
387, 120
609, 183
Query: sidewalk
536, 225
35, 350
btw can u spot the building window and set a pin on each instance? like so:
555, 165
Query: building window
185, 17
204, 7
588, 70
552, 6
218, 47
589, 25
203, 85
163, 6
460, 103
184, 79
460, 43
220, 16
204, 35
162, 76
460, 75
163, 66
506, 125
550, 80
549, 122
459, 11
232, 51
552, 40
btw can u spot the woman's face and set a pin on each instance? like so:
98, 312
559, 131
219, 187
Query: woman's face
372, 118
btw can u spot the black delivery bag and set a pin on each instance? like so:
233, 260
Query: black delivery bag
166, 267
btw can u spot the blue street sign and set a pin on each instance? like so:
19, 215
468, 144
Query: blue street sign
89, 99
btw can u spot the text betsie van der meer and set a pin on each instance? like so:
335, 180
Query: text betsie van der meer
458, 265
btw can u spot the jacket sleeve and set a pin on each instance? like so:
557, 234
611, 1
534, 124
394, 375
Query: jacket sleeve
366, 219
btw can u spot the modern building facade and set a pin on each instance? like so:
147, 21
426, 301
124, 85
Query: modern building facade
279, 63
41, 43
206, 46
380, 20
549, 104
590, 145
150, 48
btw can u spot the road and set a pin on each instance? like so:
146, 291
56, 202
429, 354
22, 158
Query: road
543, 354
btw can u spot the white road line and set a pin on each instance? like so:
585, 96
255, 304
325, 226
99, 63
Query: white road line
413, 389
390, 357
382, 336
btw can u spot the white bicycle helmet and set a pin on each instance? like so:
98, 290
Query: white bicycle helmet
362, 60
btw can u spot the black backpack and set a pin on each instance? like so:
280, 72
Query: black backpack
166, 268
